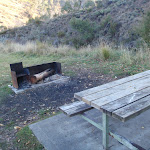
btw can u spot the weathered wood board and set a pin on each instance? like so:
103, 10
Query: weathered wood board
75, 108
84, 93
117, 92
128, 87
133, 109
124, 101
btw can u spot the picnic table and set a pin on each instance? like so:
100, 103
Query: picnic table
122, 99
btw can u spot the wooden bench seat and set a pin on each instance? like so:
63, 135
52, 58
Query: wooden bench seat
75, 108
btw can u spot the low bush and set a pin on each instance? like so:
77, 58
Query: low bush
144, 29
89, 4
99, 4
106, 53
78, 42
110, 26
86, 30
77, 5
105, 21
36, 20
113, 28
67, 7
61, 34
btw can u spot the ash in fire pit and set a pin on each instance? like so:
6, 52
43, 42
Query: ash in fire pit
35, 76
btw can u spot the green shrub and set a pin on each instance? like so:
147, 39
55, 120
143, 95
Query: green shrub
67, 7
78, 42
144, 29
60, 34
107, 10
105, 53
105, 21
109, 25
77, 6
55, 15
81, 25
85, 29
99, 4
89, 10
89, 4
3, 27
113, 28
36, 20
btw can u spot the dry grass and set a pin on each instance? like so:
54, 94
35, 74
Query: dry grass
44, 48
121, 62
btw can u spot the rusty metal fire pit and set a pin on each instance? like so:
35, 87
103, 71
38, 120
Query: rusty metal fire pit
26, 77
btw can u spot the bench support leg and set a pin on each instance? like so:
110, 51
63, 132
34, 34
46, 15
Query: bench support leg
105, 131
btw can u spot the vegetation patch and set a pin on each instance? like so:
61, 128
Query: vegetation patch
85, 29
35, 20
106, 53
61, 34
26, 140
89, 4
144, 29
4, 91
67, 7
109, 27
3, 145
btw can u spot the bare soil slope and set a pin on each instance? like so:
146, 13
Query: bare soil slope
13, 13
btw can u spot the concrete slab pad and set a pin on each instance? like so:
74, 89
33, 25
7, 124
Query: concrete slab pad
64, 133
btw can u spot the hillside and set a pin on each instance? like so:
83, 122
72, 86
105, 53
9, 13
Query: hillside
115, 21
14, 13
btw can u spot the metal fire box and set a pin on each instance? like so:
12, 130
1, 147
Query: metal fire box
20, 74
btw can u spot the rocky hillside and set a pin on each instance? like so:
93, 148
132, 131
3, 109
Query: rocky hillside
113, 21
14, 13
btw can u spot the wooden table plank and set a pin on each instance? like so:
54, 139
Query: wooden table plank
132, 109
71, 105
81, 94
122, 91
78, 109
124, 101
120, 88
75, 108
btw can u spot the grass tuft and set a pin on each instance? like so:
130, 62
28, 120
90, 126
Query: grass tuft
105, 53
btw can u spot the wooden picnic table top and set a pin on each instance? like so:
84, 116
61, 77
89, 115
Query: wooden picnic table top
122, 99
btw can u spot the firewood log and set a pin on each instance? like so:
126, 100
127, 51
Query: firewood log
40, 76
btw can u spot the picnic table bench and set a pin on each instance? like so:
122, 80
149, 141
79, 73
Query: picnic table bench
122, 99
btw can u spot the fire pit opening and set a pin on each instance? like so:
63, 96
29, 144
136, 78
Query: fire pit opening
29, 77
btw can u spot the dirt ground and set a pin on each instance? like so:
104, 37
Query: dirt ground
26, 108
